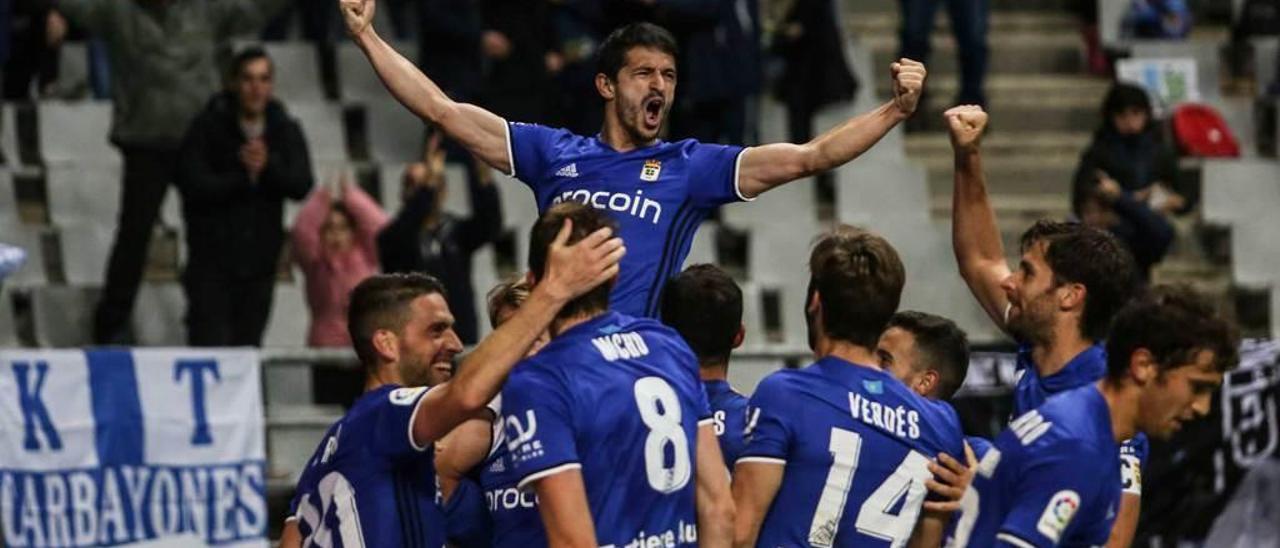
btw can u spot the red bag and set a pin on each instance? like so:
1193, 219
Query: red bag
1201, 131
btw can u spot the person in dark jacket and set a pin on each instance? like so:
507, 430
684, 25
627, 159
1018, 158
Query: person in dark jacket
425, 238
242, 157
720, 68
1103, 204
816, 73
518, 75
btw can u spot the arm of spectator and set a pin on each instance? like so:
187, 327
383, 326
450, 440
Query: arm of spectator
485, 224
765, 167
399, 238
1154, 232
306, 227
93, 15
198, 181
288, 169
369, 218
482, 132
238, 17
975, 237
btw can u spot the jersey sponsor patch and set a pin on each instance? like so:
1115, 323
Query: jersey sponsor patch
1057, 515
405, 396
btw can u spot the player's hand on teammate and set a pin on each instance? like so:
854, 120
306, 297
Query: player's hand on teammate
573, 270
952, 480
966, 124
358, 15
908, 84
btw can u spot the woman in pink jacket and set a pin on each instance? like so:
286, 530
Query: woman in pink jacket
335, 245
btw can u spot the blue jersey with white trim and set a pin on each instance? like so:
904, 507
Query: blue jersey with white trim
1051, 479
855, 443
620, 399
368, 484
658, 194
729, 410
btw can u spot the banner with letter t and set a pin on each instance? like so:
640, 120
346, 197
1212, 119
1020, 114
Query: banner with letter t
124, 447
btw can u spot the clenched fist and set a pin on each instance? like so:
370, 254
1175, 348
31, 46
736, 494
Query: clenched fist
966, 123
358, 15
908, 83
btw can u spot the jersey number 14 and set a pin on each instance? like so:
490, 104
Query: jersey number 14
874, 517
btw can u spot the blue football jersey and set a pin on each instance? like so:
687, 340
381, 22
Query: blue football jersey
658, 194
368, 484
729, 410
855, 443
1051, 479
620, 399
466, 516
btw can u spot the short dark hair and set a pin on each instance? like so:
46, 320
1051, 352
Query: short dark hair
586, 220
1174, 324
942, 343
382, 302
1094, 258
858, 276
245, 56
704, 305
612, 55
510, 294
1122, 97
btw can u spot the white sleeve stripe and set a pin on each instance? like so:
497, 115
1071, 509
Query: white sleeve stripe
761, 460
706, 421
1009, 538
413, 418
545, 473
737, 177
511, 157
290, 518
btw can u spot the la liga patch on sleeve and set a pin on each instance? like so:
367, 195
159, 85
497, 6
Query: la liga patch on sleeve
1058, 514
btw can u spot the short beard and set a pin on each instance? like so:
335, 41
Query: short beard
414, 373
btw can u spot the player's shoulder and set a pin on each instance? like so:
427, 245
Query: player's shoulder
782, 383
1070, 423
558, 138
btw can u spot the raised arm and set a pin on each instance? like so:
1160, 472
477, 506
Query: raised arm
768, 166
714, 499
480, 131
571, 271
306, 227
975, 238
369, 218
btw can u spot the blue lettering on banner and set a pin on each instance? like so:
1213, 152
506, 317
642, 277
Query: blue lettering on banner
117, 411
126, 504
197, 368
33, 410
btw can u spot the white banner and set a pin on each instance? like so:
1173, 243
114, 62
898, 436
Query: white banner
158, 447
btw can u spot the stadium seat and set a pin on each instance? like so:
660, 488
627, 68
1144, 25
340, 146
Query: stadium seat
745, 373
703, 249
9, 135
85, 248
1265, 52
322, 125
356, 79
8, 324
753, 317
87, 192
297, 71
798, 199
290, 317
75, 132
73, 67
1255, 253
1239, 190
393, 133
29, 238
484, 276
872, 193
8, 198
162, 321
294, 431
63, 315
1275, 314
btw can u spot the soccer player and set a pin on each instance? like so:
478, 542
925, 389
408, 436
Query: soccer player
838, 452
704, 305
1053, 478
608, 424
659, 192
928, 353
1057, 304
371, 481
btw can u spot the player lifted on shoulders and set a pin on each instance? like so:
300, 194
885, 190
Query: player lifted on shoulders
609, 425
838, 452
659, 192
371, 481
1053, 478
704, 305
1057, 303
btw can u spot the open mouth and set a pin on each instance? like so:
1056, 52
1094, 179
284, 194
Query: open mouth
653, 112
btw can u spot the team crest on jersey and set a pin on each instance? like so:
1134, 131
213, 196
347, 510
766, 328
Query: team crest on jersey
651, 170
1057, 515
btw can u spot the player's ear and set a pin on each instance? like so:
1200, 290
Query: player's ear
928, 382
739, 336
1143, 367
387, 344
604, 86
1072, 296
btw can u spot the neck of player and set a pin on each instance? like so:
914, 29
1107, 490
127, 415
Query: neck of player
560, 325
1122, 401
1064, 344
714, 370
846, 351
613, 133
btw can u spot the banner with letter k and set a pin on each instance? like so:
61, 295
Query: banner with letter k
124, 447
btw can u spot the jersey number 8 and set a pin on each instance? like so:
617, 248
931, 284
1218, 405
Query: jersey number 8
660, 410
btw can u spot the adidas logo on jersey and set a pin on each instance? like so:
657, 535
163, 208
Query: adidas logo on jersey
570, 170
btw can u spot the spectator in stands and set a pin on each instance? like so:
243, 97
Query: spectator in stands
170, 49
577, 33
36, 32
1158, 19
816, 73
720, 70
1101, 203
335, 244
316, 17
968, 25
425, 238
1129, 148
243, 156
522, 61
